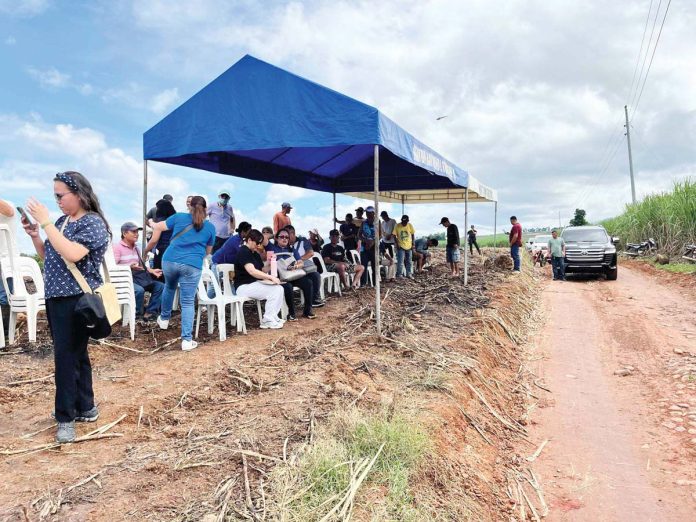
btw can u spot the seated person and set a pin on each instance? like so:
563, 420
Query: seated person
387, 260
316, 240
249, 272
422, 254
268, 236
304, 248
335, 258
228, 251
282, 247
144, 278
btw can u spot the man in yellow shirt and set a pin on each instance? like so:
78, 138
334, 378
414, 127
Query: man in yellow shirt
405, 244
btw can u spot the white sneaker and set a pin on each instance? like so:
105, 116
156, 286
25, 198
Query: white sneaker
188, 345
162, 323
273, 325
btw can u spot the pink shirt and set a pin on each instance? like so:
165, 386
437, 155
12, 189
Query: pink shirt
126, 255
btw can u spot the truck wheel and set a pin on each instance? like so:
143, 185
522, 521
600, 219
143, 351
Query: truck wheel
612, 274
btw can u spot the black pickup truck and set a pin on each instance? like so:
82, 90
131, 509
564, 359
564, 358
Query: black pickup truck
590, 250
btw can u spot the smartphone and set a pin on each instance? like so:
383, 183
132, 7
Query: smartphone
25, 216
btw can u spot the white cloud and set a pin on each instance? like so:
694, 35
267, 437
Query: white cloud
50, 77
164, 100
24, 8
10, 40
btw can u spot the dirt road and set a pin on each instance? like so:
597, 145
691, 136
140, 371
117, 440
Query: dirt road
621, 447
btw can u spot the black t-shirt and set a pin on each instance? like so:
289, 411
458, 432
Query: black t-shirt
472, 235
244, 257
452, 235
336, 253
350, 229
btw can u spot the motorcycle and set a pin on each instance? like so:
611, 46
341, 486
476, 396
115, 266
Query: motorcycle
689, 253
641, 249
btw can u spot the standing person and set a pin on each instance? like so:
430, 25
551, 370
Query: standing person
316, 240
221, 215
515, 242
367, 244
144, 278
387, 232
349, 233
471, 239
281, 219
160, 239
405, 239
7, 217
306, 284
151, 213
248, 276
188, 203
359, 218
452, 248
192, 239
557, 250
335, 258
80, 236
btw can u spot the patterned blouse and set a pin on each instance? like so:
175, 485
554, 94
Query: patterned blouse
89, 231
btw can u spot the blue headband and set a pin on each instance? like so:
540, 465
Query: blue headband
65, 178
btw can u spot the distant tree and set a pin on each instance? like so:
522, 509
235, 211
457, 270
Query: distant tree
579, 219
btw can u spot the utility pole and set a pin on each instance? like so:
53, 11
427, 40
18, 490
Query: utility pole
630, 156
559, 220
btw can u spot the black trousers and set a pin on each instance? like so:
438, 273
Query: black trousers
315, 277
306, 287
73, 371
367, 257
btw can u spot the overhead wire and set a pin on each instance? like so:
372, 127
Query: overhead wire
652, 57
647, 51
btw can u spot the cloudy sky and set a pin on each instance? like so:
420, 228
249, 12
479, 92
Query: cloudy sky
533, 93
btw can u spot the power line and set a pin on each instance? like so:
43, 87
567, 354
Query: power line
640, 51
635, 107
647, 51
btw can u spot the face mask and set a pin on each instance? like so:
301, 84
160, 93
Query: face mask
223, 201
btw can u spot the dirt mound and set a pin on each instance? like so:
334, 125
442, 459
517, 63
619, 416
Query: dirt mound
499, 262
203, 431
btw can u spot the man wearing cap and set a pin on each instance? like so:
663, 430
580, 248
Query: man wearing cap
151, 213
367, 243
282, 219
335, 258
221, 216
405, 238
452, 248
126, 253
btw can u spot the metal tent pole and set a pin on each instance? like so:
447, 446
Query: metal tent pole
144, 207
375, 275
403, 204
495, 228
333, 225
466, 228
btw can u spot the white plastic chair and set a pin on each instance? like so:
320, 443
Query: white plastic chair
226, 271
18, 267
332, 279
356, 260
122, 279
219, 302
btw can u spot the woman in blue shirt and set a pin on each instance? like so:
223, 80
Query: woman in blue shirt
81, 236
192, 239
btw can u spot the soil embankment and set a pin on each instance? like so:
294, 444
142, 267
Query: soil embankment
202, 432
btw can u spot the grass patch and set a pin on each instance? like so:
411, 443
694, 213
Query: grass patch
308, 487
433, 379
677, 268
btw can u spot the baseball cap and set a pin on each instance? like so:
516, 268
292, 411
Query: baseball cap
383, 213
334, 232
128, 226
168, 197
443, 220
286, 205
360, 209
370, 209
224, 191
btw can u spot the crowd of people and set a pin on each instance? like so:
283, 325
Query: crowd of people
269, 264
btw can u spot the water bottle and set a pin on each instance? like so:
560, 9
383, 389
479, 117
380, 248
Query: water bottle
274, 264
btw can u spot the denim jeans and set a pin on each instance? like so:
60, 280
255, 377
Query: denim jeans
515, 254
155, 288
403, 257
558, 265
187, 278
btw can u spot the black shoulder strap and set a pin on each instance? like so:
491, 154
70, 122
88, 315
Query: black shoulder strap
186, 229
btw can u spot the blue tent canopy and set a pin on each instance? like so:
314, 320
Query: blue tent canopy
260, 122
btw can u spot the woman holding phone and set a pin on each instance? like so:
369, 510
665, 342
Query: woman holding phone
81, 236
